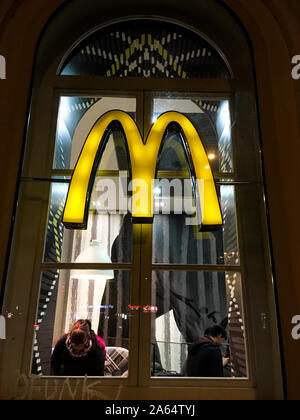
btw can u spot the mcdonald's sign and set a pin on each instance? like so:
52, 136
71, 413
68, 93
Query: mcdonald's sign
142, 156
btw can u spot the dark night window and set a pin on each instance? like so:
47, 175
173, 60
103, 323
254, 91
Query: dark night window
145, 48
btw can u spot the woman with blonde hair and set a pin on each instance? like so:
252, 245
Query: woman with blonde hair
78, 353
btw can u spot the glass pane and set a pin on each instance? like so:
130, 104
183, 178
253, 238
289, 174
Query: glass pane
176, 238
109, 233
76, 117
109, 219
144, 48
187, 304
66, 298
212, 121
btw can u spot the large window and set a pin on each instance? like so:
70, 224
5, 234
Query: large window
184, 303
149, 290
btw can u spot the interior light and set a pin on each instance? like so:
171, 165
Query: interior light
157, 191
62, 114
211, 156
225, 118
63, 111
93, 254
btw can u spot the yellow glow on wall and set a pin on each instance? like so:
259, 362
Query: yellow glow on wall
143, 159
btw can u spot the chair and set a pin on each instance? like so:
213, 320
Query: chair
116, 363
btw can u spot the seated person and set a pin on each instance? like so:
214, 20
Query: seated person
204, 356
78, 353
116, 363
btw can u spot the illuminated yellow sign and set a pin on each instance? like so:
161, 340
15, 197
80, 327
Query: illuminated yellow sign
143, 159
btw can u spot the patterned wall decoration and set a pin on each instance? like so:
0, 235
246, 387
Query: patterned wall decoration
71, 110
236, 326
146, 48
48, 289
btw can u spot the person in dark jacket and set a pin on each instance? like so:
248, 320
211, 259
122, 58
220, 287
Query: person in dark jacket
204, 356
78, 353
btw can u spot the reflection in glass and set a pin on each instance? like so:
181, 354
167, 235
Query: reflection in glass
187, 304
108, 209
104, 225
177, 240
55, 228
100, 296
213, 123
76, 117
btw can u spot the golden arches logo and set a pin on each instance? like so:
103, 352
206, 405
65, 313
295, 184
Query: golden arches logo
143, 158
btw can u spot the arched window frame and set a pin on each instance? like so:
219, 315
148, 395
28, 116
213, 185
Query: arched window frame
62, 84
